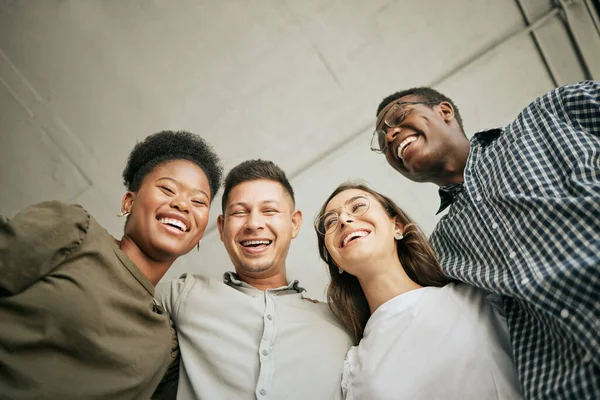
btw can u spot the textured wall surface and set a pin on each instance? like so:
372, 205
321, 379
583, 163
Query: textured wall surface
296, 82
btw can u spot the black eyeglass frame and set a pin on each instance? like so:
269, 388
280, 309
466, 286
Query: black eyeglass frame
379, 134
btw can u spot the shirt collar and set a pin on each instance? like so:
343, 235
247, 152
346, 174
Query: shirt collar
484, 138
448, 195
232, 279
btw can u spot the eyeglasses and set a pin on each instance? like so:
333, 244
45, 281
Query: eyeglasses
391, 119
327, 223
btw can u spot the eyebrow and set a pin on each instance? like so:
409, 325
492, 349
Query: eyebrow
183, 184
244, 204
347, 201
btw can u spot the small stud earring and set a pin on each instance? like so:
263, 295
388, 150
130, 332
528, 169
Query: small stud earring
398, 236
123, 214
340, 271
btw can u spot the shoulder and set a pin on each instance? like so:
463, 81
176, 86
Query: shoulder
312, 300
54, 211
48, 225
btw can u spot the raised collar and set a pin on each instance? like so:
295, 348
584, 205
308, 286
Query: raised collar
232, 279
484, 138
448, 195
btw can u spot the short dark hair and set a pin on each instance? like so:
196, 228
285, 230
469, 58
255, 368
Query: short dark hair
166, 146
253, 170
424, 94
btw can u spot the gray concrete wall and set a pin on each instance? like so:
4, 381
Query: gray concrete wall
296, 82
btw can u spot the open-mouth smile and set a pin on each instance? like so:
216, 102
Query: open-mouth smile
404, 145
353, 236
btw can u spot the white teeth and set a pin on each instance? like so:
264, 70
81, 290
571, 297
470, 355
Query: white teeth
405, 144
174, 222
255, 242
353, 235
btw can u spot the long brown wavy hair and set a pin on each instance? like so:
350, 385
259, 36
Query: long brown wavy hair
345, 295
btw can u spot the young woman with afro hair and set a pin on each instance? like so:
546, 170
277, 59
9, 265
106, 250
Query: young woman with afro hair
76, 304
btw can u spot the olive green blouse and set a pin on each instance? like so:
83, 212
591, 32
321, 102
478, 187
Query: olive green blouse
77, 318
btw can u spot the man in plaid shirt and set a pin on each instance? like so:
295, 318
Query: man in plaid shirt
523, 220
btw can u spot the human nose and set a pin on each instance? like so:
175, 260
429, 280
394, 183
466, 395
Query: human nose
345, 218
254, 221
180, 204
391, 134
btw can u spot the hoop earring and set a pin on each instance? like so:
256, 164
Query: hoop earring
123, 213
198, 246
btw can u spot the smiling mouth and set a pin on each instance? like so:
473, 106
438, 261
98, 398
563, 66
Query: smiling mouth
175, 223
261, 243
404, 145
354, 236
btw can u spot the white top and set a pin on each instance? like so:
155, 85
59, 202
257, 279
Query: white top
433, 343
238, 342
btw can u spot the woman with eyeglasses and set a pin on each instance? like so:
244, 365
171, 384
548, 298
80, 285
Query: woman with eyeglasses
78, 318
418, 334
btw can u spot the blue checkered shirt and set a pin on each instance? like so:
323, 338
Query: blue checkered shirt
526, 225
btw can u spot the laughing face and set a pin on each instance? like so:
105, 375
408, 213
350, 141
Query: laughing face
257, 227
170, 211
423, 146
362, 239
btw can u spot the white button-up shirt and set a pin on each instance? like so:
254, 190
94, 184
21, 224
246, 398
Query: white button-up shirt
238, 342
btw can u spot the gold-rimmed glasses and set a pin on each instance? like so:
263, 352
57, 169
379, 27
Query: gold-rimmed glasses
356, 206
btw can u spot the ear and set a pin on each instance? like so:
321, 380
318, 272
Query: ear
220, 224
296, 223
127, 202
447, 111
399, 226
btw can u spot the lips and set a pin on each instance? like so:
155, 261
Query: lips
404, 145
255, 245
353, 235
175, 221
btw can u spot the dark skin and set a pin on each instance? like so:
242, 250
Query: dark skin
176, 191
439, 153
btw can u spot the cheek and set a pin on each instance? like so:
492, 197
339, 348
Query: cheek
329, 245
202, 219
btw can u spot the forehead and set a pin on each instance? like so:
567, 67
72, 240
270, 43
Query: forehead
341, 198
183, 171
258, 191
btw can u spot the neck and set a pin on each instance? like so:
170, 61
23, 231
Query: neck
384, 286
455, 166
264, 281
152, 269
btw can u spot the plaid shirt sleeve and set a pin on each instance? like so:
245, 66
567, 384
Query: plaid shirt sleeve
527, 227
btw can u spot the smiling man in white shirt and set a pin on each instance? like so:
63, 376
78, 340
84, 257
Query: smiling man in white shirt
253, 335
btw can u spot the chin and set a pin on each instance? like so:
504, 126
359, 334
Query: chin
262, 267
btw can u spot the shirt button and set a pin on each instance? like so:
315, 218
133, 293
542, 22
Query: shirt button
265, 352
524, 281
564, 313
512, 254
478, 198
262, 391
269, 317
494, 226
587, 358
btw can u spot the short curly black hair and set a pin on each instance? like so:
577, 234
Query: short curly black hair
425, 94
165, 146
